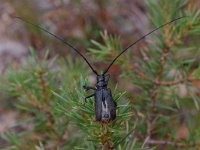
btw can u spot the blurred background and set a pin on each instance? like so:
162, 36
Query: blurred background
78, 22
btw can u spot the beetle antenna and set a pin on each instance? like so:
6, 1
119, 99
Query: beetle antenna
139, 41
61, 40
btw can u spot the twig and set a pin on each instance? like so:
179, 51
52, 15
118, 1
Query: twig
174, 143
150, 117
170, 83
147, 139
106, 142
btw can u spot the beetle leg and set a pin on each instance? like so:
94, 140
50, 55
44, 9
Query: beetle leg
89, 97
89, 88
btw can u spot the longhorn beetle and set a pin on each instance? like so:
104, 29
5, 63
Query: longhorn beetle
105, 106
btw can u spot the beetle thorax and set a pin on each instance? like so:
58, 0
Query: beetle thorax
101, 81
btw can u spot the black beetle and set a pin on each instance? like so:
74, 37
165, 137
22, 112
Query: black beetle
105, 106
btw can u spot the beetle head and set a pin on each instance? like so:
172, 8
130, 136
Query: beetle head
102, 81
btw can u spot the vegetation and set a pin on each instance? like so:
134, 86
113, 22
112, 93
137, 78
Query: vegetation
157, 91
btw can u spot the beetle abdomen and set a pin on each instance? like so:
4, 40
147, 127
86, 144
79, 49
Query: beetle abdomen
105, 107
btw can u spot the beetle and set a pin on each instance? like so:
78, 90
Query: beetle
105, 106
